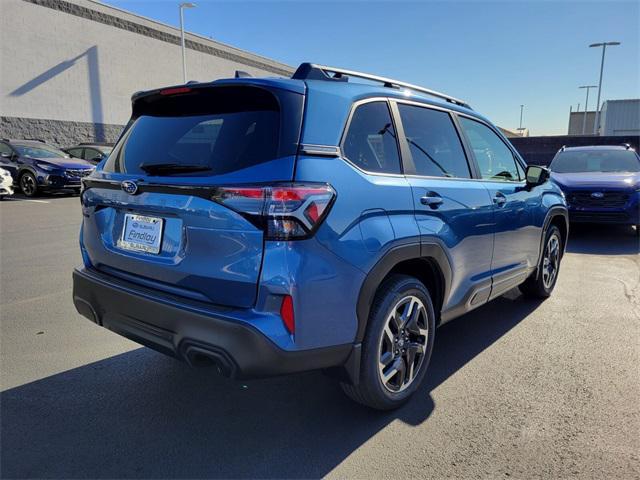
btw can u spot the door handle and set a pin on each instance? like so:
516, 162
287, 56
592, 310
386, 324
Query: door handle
499, 199
431, 199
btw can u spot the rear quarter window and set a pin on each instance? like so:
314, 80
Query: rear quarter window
370, 140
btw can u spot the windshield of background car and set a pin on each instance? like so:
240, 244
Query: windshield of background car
39, 151
220, 130
596, 161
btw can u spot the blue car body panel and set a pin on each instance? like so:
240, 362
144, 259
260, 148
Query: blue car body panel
215, 261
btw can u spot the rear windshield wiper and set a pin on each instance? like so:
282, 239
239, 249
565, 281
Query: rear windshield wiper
169, 168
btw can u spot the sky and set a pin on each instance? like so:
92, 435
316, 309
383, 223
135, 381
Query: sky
494, 55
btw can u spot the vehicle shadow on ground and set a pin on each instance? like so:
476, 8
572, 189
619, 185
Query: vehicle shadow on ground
603, 240
142, 415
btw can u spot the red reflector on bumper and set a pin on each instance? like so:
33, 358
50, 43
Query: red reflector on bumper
286, 312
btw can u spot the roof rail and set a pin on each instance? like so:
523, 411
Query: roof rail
311, 71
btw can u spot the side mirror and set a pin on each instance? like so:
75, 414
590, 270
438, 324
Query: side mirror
5, 155
537, 175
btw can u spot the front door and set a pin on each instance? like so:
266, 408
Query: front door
517, 239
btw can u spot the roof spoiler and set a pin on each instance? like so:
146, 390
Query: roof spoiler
310, 71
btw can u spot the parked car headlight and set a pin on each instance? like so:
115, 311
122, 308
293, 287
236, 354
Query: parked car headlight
47, 167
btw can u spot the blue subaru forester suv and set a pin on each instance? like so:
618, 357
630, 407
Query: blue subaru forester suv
270, 226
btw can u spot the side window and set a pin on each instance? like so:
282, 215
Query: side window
5, 149
434, 143
370, 142
495, 160
521, 171
90, 154
75, 152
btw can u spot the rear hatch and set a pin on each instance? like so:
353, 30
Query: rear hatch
166, 210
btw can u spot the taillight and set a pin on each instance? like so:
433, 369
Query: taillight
283, 211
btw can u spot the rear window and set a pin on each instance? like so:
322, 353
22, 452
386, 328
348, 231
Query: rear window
210, 131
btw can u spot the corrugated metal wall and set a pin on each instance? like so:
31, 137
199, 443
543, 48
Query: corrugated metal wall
620, 117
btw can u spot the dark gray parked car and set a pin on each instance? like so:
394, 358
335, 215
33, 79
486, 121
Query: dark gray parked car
91, 152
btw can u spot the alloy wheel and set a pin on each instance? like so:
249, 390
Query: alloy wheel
28, 185
551, 261
403, 344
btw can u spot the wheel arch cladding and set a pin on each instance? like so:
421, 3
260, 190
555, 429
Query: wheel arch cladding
558, 216
561, 222
427, 262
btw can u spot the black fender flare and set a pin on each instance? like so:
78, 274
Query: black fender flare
23, 169
428, 249
554, 212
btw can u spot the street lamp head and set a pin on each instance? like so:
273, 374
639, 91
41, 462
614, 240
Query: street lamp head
588, 86
603, 44
188, 5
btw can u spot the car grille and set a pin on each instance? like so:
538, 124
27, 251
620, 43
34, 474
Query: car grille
614, 217
78, 173
608, 199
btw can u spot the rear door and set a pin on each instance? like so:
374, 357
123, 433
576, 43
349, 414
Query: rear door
450, 206
152, 214
517, 238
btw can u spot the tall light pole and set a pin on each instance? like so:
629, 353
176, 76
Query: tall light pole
604, 45
586, 107
521, 109
184, 58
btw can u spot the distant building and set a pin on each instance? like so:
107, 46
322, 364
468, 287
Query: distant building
515, 132
70, 67
620, 117
579, 125
617, 118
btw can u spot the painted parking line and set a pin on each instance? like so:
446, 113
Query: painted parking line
25, 200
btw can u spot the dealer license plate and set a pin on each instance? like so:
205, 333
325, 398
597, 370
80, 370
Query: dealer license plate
141, 233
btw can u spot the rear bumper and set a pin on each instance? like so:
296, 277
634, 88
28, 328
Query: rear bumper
191, 334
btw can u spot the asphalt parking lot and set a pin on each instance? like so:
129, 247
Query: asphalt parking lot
515, 389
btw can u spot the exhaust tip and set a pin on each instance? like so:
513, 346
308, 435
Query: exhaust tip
208, 356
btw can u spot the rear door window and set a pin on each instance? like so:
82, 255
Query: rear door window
75, 152
215, 131
370, 141
90, 154
435, 147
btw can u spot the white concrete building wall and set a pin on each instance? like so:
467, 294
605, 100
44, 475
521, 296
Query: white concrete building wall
79, 61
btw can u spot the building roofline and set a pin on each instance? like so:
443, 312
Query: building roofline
192, 34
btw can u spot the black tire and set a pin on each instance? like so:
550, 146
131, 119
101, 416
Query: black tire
395, 293
540, 284
29, 184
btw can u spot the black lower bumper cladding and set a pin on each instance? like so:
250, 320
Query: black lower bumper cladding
237, 349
